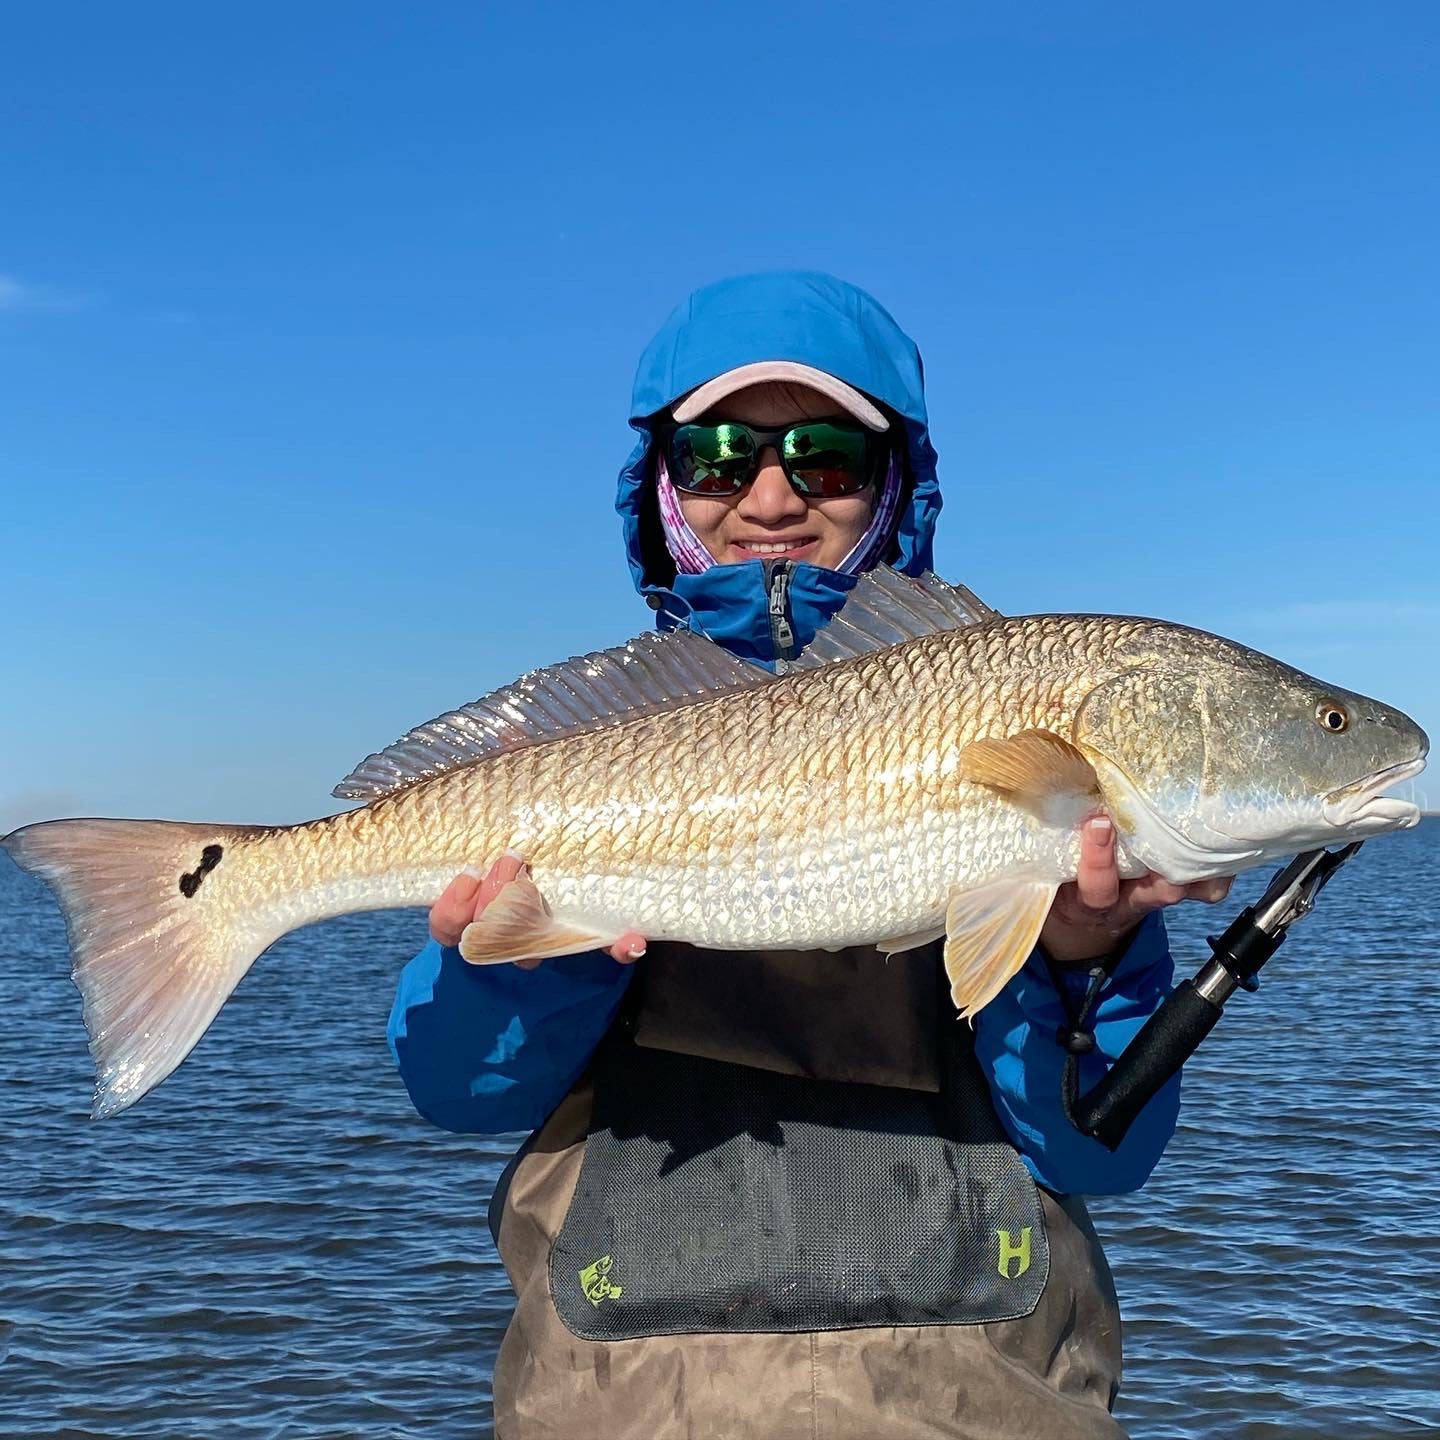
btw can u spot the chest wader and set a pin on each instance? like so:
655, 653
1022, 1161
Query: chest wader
722, 1195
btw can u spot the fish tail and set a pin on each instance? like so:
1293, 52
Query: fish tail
160, 935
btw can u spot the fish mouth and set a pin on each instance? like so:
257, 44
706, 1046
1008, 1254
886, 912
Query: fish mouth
1363, 804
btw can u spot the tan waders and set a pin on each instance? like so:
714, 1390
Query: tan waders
780, 1205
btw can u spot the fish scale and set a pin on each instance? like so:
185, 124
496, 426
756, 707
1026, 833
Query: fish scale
922, 770
612, 831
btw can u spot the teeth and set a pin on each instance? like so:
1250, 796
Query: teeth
759, 549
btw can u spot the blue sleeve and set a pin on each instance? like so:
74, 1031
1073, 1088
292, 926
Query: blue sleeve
492, 1048
1015, 1040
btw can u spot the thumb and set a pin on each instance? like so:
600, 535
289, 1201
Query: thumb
1097, 879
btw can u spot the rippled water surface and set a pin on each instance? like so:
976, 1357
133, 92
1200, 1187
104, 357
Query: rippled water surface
273, 1244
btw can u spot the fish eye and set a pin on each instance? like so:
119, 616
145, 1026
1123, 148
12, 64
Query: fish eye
1332, 716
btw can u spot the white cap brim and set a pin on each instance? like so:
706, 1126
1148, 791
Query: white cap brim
847, 397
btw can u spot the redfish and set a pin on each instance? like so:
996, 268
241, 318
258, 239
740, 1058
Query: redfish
919, 772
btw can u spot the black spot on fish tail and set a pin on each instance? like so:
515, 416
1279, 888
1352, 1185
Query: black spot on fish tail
209, 858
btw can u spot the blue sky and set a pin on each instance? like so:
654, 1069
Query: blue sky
317, 326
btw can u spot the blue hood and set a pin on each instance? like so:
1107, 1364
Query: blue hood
788, 315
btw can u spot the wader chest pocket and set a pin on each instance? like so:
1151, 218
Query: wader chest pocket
719, 1197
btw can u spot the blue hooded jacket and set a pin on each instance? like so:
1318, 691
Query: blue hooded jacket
494, 1048
803, 316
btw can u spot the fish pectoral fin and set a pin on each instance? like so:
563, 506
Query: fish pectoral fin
909, 942
990, 932
517, 925
1036, 769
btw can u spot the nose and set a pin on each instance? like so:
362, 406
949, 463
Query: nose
769, 499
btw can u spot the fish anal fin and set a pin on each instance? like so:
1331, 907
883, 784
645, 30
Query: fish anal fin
1036, 769
989, 934
912, 941
517, 925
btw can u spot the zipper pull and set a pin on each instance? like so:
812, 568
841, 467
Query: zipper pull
780, 631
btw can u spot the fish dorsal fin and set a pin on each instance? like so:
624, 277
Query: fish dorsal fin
886, 608
647, 674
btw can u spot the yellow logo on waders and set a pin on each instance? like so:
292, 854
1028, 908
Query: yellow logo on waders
595, 1280
1011, 1250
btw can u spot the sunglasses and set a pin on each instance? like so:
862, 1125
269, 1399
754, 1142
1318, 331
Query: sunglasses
819, 457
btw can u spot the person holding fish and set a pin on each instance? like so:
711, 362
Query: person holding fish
773, 1187
770, 1193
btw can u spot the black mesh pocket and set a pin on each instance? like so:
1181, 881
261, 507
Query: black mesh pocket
719, 1197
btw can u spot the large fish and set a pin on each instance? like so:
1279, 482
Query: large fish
920, 772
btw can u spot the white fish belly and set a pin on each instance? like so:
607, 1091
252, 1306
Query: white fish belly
845, 888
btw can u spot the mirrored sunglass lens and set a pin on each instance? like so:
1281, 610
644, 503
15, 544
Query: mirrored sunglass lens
712, 459
826, 459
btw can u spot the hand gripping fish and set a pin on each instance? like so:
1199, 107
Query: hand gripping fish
919, 772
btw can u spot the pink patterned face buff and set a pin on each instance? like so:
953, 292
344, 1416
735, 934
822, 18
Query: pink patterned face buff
689, 555
692, 558
870, 548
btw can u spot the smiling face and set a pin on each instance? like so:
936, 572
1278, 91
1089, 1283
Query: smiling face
767, 520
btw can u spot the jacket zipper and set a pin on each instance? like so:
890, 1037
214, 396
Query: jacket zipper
782, 636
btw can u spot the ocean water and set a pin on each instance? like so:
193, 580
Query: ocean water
274, 1244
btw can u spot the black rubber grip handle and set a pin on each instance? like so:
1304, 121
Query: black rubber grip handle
1166, 1042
